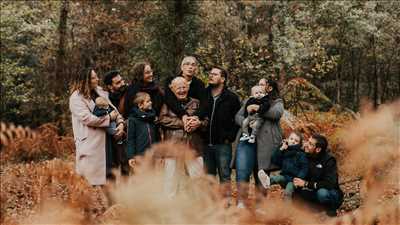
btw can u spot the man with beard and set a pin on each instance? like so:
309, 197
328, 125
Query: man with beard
116, 153
222, 106
116, 87
321, 184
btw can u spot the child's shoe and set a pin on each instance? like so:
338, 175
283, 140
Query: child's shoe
252, 139
244, 137
264, 179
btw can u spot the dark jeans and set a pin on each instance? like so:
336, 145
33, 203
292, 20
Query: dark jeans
115, 157
330, 199
217, 158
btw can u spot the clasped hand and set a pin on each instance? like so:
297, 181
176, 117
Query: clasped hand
190, 123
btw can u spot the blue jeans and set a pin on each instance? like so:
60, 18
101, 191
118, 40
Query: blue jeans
330, 199
217, 158
284, 182
245, 160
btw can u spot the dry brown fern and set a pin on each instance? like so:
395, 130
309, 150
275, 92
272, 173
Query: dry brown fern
9, 132
26, 188
22, 144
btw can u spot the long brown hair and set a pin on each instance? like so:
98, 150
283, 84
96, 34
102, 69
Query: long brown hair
274, 94
82, 82
138, 71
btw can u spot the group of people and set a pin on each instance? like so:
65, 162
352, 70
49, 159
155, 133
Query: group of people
115, 125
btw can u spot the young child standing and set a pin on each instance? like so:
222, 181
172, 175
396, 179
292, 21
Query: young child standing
142, 131
259, 97
293, 163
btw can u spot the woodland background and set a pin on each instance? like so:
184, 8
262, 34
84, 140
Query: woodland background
348, 49
337, 62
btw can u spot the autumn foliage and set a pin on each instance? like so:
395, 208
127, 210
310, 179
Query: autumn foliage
24, 145
40, 190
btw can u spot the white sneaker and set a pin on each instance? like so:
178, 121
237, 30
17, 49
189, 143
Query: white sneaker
241, 205
252, 139
244, 137
264, 179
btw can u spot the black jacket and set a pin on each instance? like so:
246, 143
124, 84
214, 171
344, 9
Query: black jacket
197, 90
322, 172
292, 161
263, 102
222, 128
142, 131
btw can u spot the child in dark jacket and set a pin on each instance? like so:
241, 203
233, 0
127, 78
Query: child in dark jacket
142, 131
258, 97
293, 163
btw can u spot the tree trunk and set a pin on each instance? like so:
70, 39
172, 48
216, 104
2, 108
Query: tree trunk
242, 14
398, 76
338, 80
270, 45
60, 74
377, 91
385, 89
358, 79
179, 15
353, 80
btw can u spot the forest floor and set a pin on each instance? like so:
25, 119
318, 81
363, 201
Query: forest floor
37, 177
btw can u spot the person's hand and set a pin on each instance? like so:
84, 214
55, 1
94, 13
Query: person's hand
252, 124
252, 108
299, 182
193, 124
185, 120
120, 131
132, 163
113, 115
284, 145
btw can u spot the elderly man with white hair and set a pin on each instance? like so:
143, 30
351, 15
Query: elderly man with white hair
189, 132
188, 70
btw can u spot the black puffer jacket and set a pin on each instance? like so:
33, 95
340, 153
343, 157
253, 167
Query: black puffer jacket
322, 172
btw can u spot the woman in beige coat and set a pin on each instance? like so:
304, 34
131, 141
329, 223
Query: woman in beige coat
89, 130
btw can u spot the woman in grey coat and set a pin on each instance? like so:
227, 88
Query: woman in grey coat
248, 155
